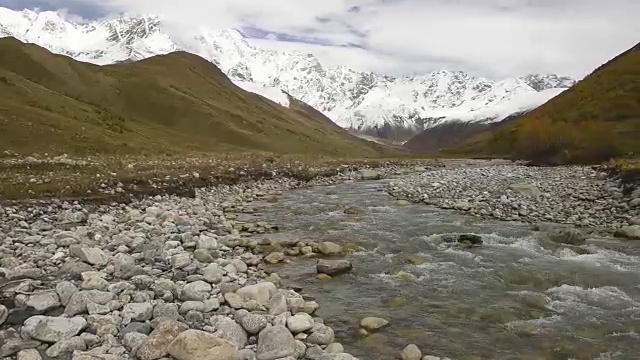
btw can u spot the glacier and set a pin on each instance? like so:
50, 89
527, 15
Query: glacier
353, 99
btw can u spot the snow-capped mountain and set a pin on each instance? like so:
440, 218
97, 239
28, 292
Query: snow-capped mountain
353, 99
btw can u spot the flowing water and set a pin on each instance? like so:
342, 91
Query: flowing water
519, 296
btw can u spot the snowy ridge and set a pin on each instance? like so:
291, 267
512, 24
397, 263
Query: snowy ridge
353, 99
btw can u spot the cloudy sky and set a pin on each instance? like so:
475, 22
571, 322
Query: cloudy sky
493, 38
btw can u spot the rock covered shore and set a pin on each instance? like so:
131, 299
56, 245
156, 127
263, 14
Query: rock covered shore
580, 196
159, 278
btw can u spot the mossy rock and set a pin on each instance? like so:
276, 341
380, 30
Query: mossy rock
413, 260
495, 317
352, 211
323, 277
403, 275
395, 302
352, 220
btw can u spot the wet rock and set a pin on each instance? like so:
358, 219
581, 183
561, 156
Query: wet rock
274, 257
275, 342
199, 345
329, 248
53, 329
333, 267
568, 236
373, 323
629, 232
335, 348
411, 352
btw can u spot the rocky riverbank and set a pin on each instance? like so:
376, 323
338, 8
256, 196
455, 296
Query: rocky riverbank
160, 277
580, 196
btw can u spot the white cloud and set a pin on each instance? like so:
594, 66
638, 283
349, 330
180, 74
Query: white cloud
487, 37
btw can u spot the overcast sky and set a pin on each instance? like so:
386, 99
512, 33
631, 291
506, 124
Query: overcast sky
493, 38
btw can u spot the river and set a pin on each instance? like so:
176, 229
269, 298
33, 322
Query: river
518, 296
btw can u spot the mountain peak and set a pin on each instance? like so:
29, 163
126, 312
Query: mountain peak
351, 98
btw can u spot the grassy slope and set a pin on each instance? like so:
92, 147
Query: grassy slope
610, 96
165, 104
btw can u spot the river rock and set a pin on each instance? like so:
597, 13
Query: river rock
229, 330
300, 322
65, 348
329, 248
629, 232
28, 354
411, 352
528, 190
4, 314
373, 323
137, 312
335, 348
274, 257
333, 267
65, 291
156, 346
93, 256
260, 292
253, 323
53, 329
196, 291
568, 236
321, 335
275, 342
370, 175
200, 345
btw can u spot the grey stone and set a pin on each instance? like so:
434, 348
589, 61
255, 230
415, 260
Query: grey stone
230, 330
373, 323
234, 300
137, 327
65, 291
93, 256
156, 346
133, 340
212, 274
275, 342
197, 291
329, 248
43, 301
4, 314
411, 352
321, 335
260, 292
29, 354
278, 304
53, 329
253, 323
204, 256
333, 267
300, 323
166, 311
65, 348
629, 232
137, 312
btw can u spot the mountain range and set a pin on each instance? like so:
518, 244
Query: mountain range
364, 101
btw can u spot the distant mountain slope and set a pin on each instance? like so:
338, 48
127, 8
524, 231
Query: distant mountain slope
597, 118
353, 99
167, 103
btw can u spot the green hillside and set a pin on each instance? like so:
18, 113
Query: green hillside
166, 104
597, 119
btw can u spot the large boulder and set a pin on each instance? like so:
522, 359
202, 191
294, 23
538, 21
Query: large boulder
260, 292
333, 267
200, 345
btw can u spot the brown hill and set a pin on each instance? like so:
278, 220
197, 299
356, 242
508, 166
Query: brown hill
165, 104
596, 119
